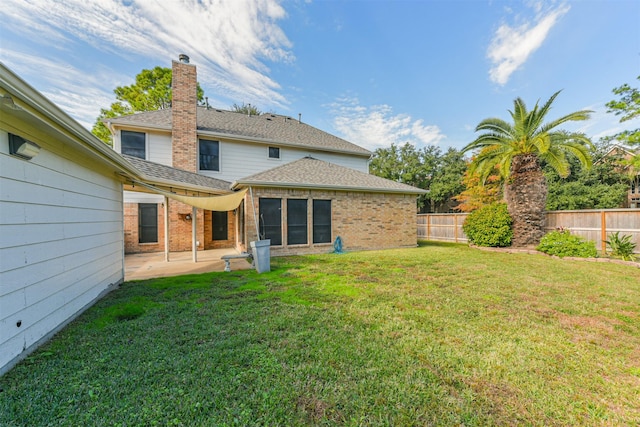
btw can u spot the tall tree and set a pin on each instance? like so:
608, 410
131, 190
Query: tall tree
427, 168
627, 106
404, 164
447, 180
517, 150
150, 91
604, 186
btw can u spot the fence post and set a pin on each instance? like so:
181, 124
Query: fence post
428, 227
603, 230
455, 228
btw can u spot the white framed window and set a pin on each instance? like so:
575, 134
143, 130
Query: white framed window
635, 185
274, 152
209, 153
133, 143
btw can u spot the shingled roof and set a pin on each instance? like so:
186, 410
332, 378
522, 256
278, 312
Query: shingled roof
318, 174
266, 128
167, 175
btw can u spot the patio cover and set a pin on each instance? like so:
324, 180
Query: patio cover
224, 203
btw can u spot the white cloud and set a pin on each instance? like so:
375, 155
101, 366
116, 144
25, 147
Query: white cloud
512, 45
77, 93
230, 41
377, 126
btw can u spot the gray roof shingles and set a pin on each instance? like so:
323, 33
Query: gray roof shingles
313, 173
267, 127
168, 174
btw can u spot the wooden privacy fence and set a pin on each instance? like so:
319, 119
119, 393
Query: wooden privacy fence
595, 225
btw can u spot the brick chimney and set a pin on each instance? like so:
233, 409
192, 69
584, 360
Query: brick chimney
183, 114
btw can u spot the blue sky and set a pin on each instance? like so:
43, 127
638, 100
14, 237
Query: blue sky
374, 72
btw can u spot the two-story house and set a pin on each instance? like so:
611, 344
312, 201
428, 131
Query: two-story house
304, 187
626, 154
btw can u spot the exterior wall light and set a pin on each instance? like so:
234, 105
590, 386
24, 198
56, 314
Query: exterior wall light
20, 147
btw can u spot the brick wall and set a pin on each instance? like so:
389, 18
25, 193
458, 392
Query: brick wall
179, 232
183, 116
131, 240
364, 221
209, 243
180, 229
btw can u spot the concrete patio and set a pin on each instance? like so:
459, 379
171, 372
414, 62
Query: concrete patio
151, 265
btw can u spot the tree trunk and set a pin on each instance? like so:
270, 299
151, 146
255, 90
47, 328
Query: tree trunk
526, 197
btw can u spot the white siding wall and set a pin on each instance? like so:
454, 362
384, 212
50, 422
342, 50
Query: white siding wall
242, 159
139, 197
158, 146
61, 242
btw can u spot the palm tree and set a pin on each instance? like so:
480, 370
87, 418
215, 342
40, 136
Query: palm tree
517, 151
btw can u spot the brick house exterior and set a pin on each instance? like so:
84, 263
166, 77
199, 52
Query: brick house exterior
633, 194
305, 184
364, 221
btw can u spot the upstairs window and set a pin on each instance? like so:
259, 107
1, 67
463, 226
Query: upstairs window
274, 152
133, 144
209, 155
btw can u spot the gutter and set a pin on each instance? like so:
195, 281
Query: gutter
32, 102
241, 138
175, 185
239, 184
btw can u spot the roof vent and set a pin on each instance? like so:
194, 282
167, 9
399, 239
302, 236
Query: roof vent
183, 58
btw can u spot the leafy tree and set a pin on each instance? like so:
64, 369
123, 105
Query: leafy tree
248, 109
151, 91
427, 168
628, 106
475, 195
447, 180
604, 186
517, 151
404, 164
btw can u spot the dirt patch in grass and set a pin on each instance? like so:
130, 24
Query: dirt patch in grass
314, 409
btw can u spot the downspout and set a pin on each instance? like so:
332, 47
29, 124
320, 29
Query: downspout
166, 229
255, 218
194, 233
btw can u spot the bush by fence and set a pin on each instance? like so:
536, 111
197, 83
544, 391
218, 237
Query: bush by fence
595, 225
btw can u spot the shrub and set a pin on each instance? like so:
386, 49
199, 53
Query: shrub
489, 226
621, 246
562, 243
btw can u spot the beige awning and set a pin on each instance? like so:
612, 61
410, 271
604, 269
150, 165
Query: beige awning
227, 202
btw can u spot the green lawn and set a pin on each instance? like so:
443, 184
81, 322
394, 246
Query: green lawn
437, 335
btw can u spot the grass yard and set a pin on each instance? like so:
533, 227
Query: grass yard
437, 335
